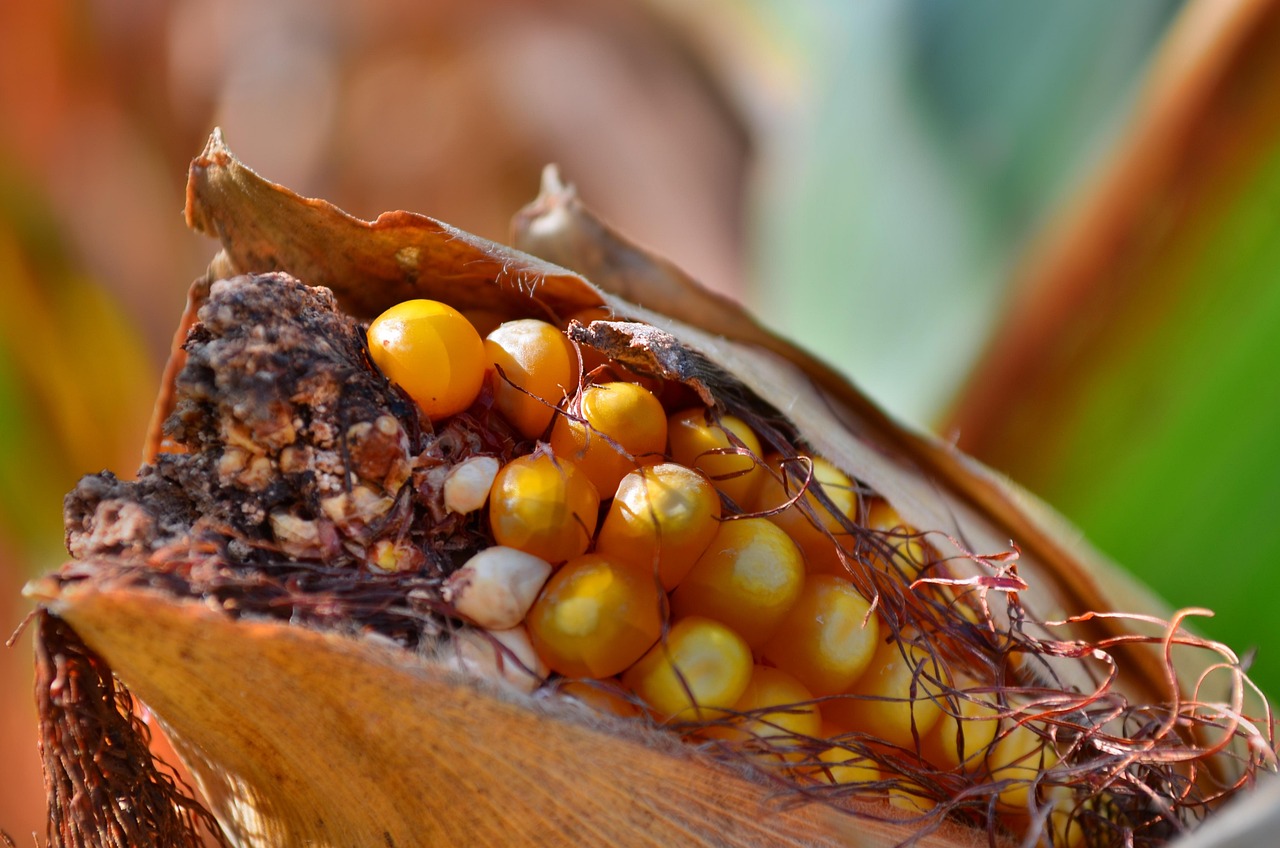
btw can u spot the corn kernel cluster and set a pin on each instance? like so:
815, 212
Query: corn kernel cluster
651, 557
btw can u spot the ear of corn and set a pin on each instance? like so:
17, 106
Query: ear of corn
817, 598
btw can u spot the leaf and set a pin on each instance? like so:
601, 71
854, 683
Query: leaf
1133, 385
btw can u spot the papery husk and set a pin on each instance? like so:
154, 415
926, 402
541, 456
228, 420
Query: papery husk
297, 737
304, 738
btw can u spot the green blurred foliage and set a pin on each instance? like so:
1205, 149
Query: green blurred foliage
932, 139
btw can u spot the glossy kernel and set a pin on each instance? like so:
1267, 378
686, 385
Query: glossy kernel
543, 505
1019, 756
622, 425
700, 668
814, 528
601, 696
748, 578
663, 516
595, 617
432, 352
540, 368
953, 741
695, 438
842, 766
780, 714
910, 552
822, 639
886, 705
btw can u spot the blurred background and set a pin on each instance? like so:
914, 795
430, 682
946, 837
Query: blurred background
1048, 232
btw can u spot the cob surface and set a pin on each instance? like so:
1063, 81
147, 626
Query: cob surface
734, 563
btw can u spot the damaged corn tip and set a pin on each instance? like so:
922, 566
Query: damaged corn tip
595, 617
701, 668
467, 486
532, 367
496, 587
622, 425
749, 577
724, 449
545, 506
663, 516
432, 352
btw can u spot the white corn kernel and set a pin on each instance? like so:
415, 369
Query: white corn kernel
468, 484
511, 663
497, 586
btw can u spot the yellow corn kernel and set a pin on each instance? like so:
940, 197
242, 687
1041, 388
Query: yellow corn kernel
662, 517
623, 425
1019, 756
842, 766
911, 552
595, 617
887, 707
540, 368
1064, 826
695, 437
432, 352
910, 798
826, 639
701, 668
748, 578
780, 714
971, 733
600, 696
808, 521
545, 506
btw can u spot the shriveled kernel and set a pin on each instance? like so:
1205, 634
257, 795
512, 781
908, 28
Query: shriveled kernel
748, 578
497, 586
663, 517
884, 703
780, 715
432, 352
543, 505
700, 441
506, 657
827, 638
538, 369
623, 425
701, 668
468, 484
810, 523
956, 741
595, 617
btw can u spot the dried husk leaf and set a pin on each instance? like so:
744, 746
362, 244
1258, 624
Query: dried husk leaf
306, 738
297, 737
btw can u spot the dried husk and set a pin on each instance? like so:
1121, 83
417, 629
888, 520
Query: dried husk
297, 737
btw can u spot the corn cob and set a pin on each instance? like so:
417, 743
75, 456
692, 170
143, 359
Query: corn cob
659, 540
